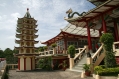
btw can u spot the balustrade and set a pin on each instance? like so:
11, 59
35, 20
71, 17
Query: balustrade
79, 55
12, 66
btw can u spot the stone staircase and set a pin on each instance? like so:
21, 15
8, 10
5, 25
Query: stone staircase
79, 66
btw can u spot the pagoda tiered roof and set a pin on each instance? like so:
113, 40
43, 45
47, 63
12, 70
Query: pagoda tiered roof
95, 13
19, 35
17, 48
19, 41
23, 29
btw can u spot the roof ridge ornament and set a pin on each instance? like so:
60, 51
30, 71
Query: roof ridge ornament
73, 13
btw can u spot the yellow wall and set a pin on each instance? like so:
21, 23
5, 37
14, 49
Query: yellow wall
28, 63
21, 63
33, 63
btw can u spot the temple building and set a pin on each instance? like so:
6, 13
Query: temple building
72, 35
85, 30
104, 17
26, 29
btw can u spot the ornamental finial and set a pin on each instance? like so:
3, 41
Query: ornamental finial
27, 9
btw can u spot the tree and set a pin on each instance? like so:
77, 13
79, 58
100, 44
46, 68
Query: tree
2, 55
107, 39
9, 56
41, 49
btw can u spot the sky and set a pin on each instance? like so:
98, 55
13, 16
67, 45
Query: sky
48, 13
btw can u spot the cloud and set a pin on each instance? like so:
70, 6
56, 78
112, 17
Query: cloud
49, 13
3, 4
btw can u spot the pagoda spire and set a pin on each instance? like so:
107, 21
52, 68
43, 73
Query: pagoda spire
27, 15
27, 9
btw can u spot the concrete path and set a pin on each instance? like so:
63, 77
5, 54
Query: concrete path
45, 75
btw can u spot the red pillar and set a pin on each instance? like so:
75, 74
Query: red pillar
100, 34
31, 63
104, 25
19, 63
65, 44
116, 31
24, 63
89, 38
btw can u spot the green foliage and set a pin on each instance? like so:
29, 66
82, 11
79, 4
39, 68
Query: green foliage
2, 54
110, 61
45, 63
64, 64
54, 45
86, 67
106, 71
71, 51
45, 47
97, 68
41, 49
10, 57
107, 39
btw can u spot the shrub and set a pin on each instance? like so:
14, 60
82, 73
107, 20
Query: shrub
107, 39
71, 51
97, 68
106, 71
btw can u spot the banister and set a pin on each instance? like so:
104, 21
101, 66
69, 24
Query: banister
97, 52
79, 53
116, 42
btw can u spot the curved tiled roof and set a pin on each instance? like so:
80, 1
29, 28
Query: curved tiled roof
72, 30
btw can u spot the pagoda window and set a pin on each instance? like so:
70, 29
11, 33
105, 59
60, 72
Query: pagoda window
22, 51
27, 44
32, 44
27, 50
28, 37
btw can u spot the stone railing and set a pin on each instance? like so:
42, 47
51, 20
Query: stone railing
7, 67
46, 52
2, 69
116, 48
12, 66
79, 55
96, 57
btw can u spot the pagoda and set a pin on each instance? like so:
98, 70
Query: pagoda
26, 29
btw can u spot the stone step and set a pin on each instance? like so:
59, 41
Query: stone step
75, 70
78, 68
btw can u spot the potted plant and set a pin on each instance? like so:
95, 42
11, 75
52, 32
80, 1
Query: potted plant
64, 65
54, 45
45, 48
86, 67
71, 51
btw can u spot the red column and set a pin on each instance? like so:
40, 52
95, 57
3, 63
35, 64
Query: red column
100, 32
24, 63
104, 25
31, 63
116, 31
65, 44
89, 38
19, 63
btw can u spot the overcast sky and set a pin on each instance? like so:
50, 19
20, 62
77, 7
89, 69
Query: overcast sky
49, 13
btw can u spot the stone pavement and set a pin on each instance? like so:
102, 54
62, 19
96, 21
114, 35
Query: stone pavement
45, 75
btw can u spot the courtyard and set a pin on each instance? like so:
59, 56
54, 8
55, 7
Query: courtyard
45, 75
